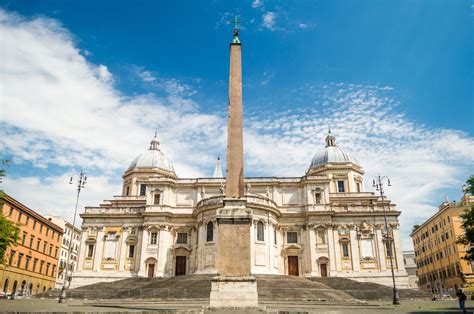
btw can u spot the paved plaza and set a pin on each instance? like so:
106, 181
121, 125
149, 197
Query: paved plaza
142, 306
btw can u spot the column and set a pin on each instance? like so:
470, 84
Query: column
123, 250
144, 244
398, 252
313, 267
98, 249
82, 251
332, 247
337, 251
381, 250
355, 251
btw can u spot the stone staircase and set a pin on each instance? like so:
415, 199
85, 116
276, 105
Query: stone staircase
291, 288
368, 290
182, 287
270, 288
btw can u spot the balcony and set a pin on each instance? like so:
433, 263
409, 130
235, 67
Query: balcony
253, 201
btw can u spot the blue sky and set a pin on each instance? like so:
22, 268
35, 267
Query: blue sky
392, 78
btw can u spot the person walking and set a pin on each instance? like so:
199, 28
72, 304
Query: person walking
462, 300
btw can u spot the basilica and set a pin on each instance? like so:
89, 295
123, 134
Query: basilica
318, 224
322, 223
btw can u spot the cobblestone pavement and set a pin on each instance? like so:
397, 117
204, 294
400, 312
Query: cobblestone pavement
148, 306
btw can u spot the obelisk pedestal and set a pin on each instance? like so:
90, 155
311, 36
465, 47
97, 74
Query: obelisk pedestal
234, 287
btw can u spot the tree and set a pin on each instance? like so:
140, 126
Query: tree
9, 232
2, 169
468, 236
414, 228
470, 185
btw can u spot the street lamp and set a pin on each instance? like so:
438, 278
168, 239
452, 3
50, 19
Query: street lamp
378, 184
81, 183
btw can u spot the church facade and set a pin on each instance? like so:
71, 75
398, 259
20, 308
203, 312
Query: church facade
322, 223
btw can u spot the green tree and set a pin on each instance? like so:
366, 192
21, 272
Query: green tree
468, 236
470, 185
4, 164
9, 232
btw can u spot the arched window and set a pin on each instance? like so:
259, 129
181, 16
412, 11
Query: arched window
5, 286
210, 232
260, 236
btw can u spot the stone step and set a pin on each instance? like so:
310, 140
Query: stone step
368, 290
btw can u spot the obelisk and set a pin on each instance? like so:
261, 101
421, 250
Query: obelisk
235, 137
234, 286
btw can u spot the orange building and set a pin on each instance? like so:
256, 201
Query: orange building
30, 266
440, 266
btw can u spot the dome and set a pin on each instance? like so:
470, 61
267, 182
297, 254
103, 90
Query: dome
152, 158
332, 154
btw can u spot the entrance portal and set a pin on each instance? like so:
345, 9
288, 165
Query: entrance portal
324, 270
180, 265
151, 270
293, 266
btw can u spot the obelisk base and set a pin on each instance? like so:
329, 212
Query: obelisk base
234, 292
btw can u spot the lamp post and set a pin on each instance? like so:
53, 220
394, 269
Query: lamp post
81, 182
378, 184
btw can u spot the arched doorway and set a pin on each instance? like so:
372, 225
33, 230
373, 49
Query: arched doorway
23, 286
323, 266
15, 284
5, 285
150, 267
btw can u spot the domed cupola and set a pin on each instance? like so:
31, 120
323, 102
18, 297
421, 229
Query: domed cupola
153, 158
332, 154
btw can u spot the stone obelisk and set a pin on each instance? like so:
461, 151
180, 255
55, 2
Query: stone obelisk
234, 286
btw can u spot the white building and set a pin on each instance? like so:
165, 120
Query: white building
70, 234
322, 223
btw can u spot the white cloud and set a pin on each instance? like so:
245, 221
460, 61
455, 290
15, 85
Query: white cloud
303, 25
269, 20
257, 4
146, 76
72, 116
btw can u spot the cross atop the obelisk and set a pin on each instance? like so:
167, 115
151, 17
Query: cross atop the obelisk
236, 39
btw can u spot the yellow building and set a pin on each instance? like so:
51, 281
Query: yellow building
440, 267
30, 266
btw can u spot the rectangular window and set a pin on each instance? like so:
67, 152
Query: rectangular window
47, 231
23, 240
340, 186
56, 252
45, 244
321, 236
182, 238
19, 217
156, 200
35, 261
41, 228
292, 237
127, 191
345, 250
41, 267
133, 231
48, 265
53, 270
27, 262
90, 250
142, 189
12, 256
38, 242
11, 212
20, 257
358, 187
131, 251
34, 225
153, 238
27, 220
275, 235
50, 249
32, 239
